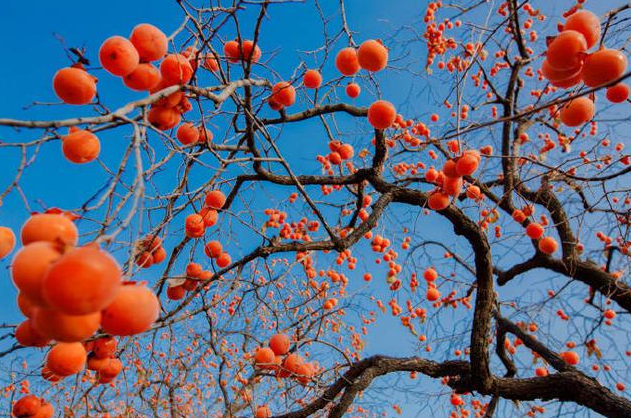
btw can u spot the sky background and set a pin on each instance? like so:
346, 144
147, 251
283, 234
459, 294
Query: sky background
32, 54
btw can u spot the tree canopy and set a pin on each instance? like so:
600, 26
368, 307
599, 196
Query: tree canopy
214, 220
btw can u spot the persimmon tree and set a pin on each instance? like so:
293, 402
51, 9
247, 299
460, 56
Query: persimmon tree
236, 264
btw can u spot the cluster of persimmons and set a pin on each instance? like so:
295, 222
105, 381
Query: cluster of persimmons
69, 294
568, 63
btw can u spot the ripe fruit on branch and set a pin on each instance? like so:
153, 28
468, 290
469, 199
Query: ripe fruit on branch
346, 61
618, 93
30, 406
246, 52
284, 93
176, 69
381, 114
279, 343
29, 267
150, 42
84, 280
213, 249
353, 90
58, 326
534, 230
291, 365
50, 227
438, 200
264, 358
187, 134
163, 118
144, 78
586, 23
104, 347
548, 245
134, 309
74, 86
215, 199
604, 66
263, 412
118, 56
28, 336
372, 55
556, 76
7, 241
570, 357
312, 79
432, 294
468, 163
224, 260
66, 359
567, 51
80, 146
577, 112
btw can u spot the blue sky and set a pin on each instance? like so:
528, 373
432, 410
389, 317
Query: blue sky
51, 181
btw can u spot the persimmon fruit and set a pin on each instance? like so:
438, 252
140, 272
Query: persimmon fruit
279, 343
74, 86
468, 163
554, 75
263, 412
215, 199
264, 357
118, 56
372, 55
65, 328
432, 294
213, 249
438, 200
577, 112
52, 227
150, 42
223, 260
312, 79
570, 357
291, 364
163, 118
586, 23
381, 114
144, 78
104, 347
603, 66
29, 267
7, 241
346, 61
534, 230
84, 280
28, 336
618, 93
567, 51
134, 309
187, 134
66, 359
80, 146
176, 69
30, 406
284, 93
548, 245
353, 90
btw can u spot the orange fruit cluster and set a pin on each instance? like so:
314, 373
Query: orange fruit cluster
69, 292
292, 365
450, 179
568, 63
30, 406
